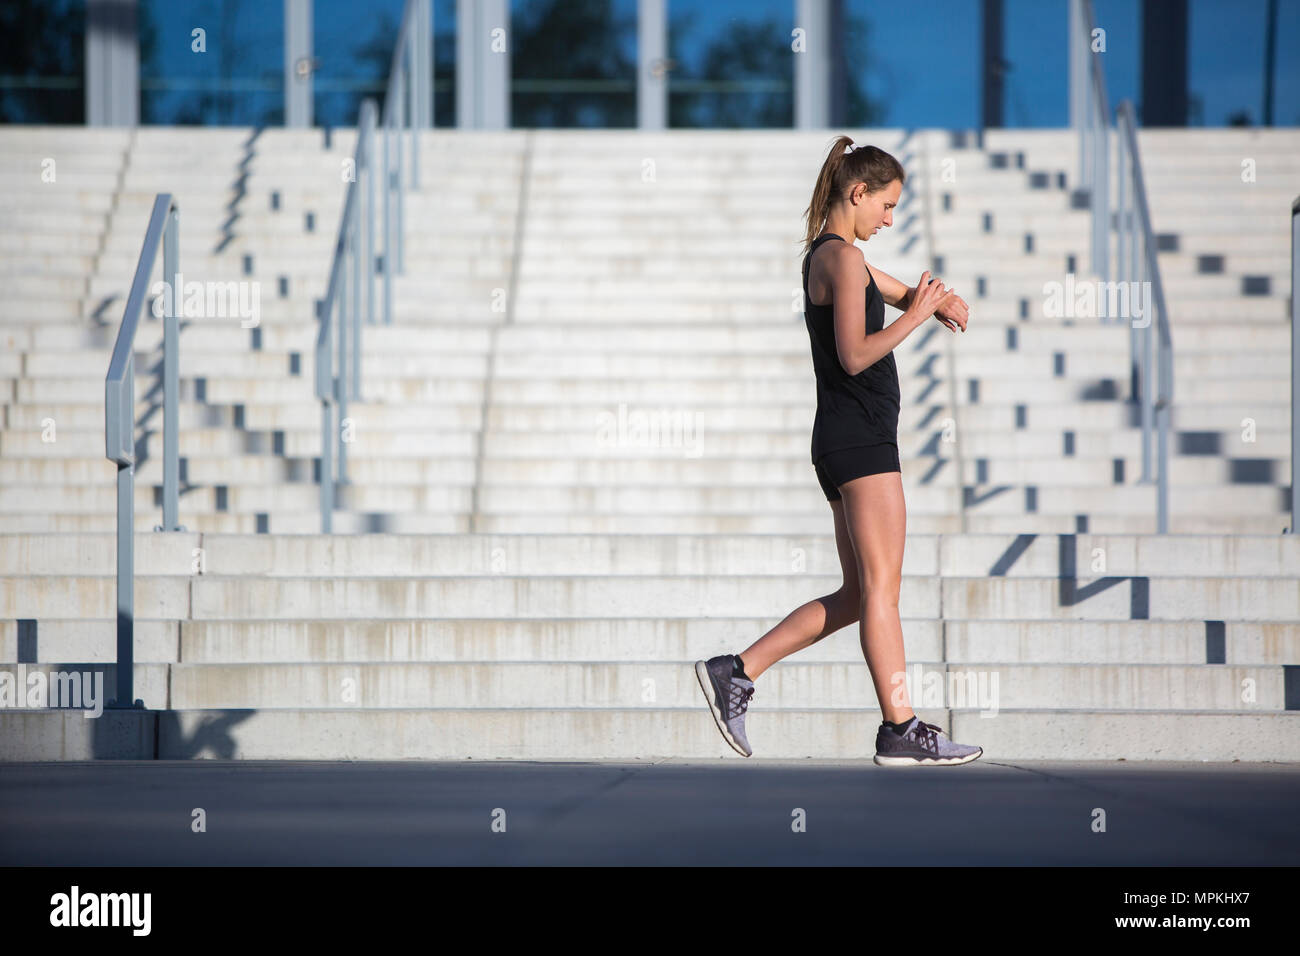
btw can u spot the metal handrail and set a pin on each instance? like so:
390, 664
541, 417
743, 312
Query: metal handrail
335, 386
119, 423
1094, 137
1295, 359
1136, 260
1156, 393
355, 257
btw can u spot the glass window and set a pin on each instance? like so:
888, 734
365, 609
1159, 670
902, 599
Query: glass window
42, 62
212, 62
353, 47
444, 62
573, 63
731, 63
1226, 59
914, 64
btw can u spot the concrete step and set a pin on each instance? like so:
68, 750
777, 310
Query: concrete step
222, 468
810, 521
1094, 555
672, 684
289, 597
562, 415
631, 733
1242, 643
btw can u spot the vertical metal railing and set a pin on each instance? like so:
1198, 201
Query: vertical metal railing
377, 191
119, 422
1136, 266
338, 338
1295, 358
1139, 270
1088, 84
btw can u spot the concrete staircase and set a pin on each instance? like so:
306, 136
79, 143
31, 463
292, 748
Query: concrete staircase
583, 459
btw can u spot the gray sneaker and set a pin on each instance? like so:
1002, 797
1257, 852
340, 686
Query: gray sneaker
921, 745
728, 698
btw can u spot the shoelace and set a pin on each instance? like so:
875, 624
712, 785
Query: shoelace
926, 735
739, 698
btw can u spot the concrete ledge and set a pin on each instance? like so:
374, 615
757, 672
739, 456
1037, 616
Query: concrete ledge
39, 735
618, 734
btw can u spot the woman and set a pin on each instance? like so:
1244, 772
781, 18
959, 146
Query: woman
855, 456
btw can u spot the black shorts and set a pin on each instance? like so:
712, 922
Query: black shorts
837, 467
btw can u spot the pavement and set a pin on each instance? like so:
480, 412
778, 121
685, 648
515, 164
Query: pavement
732, 812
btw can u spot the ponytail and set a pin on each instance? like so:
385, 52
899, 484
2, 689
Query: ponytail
841, 170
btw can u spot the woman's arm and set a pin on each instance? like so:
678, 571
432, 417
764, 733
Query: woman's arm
892, 291
856, 351
953, 313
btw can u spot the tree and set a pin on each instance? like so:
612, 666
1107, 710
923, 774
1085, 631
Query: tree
582, 40
45, 44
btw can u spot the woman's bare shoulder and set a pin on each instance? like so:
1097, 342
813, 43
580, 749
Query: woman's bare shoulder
841, 256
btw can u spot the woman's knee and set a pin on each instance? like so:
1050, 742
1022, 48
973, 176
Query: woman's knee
880, 590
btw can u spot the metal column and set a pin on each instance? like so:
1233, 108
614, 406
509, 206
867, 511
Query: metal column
651, 64
483, 44
171, 373
112, 63
467, 57
298, 63
422, 64
812, 67
1078, 81
494, 64
1295, 356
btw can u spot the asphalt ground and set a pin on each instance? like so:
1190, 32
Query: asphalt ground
743, 812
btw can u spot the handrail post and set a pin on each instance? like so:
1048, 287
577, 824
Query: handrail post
399, 120
126, 569
341, 380
1134, 271
119, 423
1148, 388
370, 210
126, 566
1157, 384
412, 61
378, 188
387, 191
354, 229
171, 371
1295, 355
324, 390
1101, 211
1122, 240
1163, 410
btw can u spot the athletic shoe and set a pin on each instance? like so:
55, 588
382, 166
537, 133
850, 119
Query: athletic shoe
920, 745
728, 698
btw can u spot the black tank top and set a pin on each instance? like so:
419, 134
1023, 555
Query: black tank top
852, 410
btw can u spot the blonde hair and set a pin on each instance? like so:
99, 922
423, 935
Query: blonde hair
863, 164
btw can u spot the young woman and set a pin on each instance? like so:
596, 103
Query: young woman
855, 456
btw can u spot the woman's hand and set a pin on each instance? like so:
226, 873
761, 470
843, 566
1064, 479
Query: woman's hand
953, 312
927, 298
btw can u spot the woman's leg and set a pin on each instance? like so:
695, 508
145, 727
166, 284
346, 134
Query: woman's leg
809, 623
877, 523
